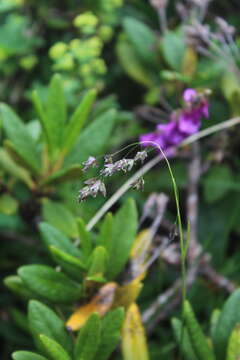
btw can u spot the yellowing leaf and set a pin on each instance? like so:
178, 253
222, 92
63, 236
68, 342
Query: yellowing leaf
134, 345
233, 350
100, 304
127, 294
140, 252
189, 65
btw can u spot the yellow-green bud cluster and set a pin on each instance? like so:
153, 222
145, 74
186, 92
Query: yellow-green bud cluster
86, 22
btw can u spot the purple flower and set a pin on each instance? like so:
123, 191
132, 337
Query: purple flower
183, 123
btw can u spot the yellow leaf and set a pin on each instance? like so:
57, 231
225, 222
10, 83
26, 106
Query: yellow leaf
189, 62
127, 294
140, 252
100, 304
134, 345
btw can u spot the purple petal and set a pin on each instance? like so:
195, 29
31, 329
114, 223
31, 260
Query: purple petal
189, 95
188, 124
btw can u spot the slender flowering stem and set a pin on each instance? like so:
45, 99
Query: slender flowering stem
153, 162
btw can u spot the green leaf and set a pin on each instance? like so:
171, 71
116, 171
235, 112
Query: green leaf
198, 339
173, 47
73, 172
70, 264
123, 235
17, 133
142, 39
85, 239
213, 321
53, 237
98, 263
132, 64
110, 333
42, 320
218, 182
228, 319
88, 339
8, 205
233, 349
183, 340
93, 138
54, 213
27, 355
56, 111
9, 165
15, 284
54, 350
20, 319
50, 284
105, 233
77, 120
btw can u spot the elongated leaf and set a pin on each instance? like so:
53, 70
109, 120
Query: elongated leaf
88, 339
42, 320
134, 345
56, 110
70, 264
73, 172
100, 303
53, 237
98, 263
77, 120
105, 233
9, 165
228, 319
183, 340
49, 284
54, 350
27, 355
198, 340
54, 213
110, 333
85, 239
173, 46
15, 284
142, 38
93, 138
17, 133
132, 64
123, 235
233, 349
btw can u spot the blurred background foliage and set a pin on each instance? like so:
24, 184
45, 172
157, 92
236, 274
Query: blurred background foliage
119, 73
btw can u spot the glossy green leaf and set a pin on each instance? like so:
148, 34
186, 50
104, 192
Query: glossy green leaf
77, 120
84, 238
110, 333
53, 237
142, 38
105, 233
54, 350
50, 284
56, 110
183, 339
54, 213
98, 262
8, 204
228, 319
70, 264
16, 285
43, 320
198, 339
27, 355
123, 235
88, 339
173, 47
12, 168
93, 139
132, 64
233, 349
18, 134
